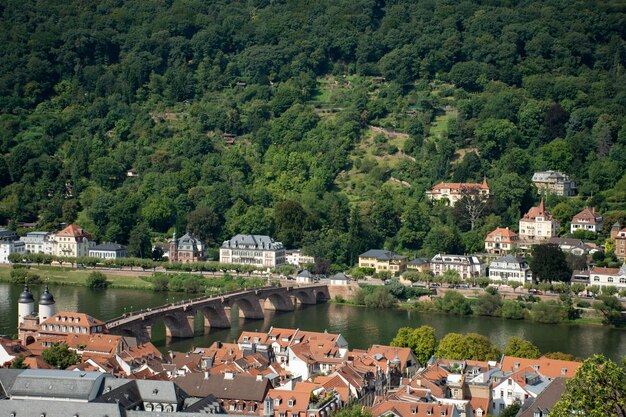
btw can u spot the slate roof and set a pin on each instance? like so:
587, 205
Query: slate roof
510, 259
56, 384
339, 276
108, 246
545, 400
418, 261
381, 255
37, 408
545, 176
252, 242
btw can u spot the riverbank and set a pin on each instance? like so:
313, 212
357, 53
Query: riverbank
78, 277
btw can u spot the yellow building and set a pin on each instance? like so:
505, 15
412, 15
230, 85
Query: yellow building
382, 260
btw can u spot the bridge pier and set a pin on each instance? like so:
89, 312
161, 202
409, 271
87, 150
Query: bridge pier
216, 317
180, 326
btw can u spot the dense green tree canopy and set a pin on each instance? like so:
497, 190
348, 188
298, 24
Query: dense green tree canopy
321, 125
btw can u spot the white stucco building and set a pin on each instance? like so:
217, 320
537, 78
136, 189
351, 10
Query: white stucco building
608, 277
254, 250
297, 258
538, 224
509, 269
466, 266
39, 242
9, 247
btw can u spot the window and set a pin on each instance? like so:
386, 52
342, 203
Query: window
622, 280
596, 279
610, 279
231, 407
290, 403
277, 401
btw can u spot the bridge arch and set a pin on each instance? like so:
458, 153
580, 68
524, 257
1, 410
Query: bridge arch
304, 297
249, 307
178, 324
321, 296
215, 316
278, 302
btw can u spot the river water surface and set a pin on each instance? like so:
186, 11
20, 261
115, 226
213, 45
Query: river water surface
360, 326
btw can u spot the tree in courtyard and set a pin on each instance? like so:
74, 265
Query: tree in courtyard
421, 340
355, 410
549, 264
471, 346
511, 410
520, 348
18, 363
597, 390
60, 356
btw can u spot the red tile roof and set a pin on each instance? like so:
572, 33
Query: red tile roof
506, 235
551, 368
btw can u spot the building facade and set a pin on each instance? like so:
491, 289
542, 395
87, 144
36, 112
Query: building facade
538, 224
73, 241
588, 220
254, 250
608, 277
108, 251
510, 269
454, 191
382, 260
554, 182
297, 258
620, 243
7, 247
501, 241
466, 266
39, 242
186, 249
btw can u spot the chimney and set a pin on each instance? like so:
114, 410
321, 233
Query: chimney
206, 375
228, 375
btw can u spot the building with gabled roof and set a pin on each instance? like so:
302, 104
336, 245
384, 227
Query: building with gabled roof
501, 241
608, 277
538, 224
186, 249
588, 220
73, 241
452, 192
395, 408
620, 241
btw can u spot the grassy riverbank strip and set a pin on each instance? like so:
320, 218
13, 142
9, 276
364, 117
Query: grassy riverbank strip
78, 277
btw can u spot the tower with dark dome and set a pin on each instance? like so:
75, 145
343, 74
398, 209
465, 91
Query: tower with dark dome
26, 305
46, 305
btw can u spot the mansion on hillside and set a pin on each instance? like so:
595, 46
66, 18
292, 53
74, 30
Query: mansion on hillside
501, 241
538, 224
255, 250
588, 220
454, 191
554, 182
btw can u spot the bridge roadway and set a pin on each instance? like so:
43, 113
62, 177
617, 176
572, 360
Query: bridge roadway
179, 317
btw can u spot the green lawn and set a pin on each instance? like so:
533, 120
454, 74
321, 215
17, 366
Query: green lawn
68, 276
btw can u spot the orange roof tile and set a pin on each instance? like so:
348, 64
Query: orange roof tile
505, 235
551, 368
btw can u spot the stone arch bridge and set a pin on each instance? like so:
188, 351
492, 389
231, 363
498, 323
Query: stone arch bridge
179, 317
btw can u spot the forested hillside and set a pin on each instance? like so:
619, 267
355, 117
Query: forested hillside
318, 122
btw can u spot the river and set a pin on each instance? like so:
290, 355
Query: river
360, 326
